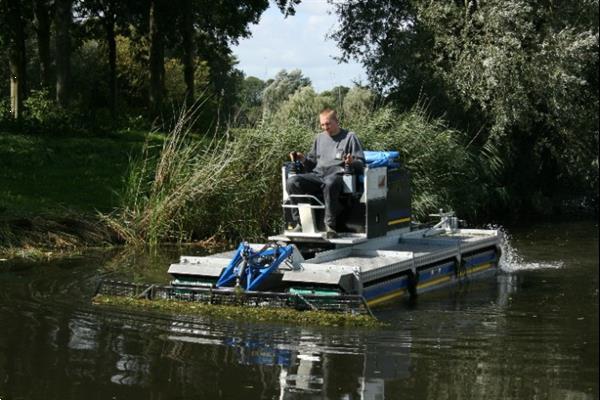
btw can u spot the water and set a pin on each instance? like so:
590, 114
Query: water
529, 333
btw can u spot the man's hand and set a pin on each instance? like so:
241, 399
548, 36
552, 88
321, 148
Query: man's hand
296, 155
348, 159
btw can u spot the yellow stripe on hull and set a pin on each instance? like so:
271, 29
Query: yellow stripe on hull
479, 268
398, 221
386, 297
437, 281
434, 282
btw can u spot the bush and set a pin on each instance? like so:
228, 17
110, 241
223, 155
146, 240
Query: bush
44, 115
444, 173
6, 120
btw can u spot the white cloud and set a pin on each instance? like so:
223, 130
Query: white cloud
314, 7
297, 42
319, 24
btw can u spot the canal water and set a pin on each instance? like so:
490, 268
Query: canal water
531, 332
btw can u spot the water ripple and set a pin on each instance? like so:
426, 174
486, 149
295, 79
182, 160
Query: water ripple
511, 261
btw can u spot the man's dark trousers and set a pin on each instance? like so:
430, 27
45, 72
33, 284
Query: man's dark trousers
311, 183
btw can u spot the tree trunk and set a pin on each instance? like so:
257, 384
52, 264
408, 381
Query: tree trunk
112, 58
188, 50
42, 28
62, 24
16, 58
157, 65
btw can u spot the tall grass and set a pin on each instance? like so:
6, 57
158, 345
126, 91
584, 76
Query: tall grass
230, 186
159, 189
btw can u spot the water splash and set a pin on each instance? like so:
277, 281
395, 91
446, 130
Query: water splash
511, 261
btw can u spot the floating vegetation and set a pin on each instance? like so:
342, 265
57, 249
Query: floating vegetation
261, 314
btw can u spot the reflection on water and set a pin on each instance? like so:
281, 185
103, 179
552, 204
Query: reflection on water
301, 361
530, 332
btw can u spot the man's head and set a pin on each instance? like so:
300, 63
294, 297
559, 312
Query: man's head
329, 121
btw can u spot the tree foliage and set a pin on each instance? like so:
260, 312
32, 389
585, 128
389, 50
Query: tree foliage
302, 109
520, 77
251, 94
358, 104
337, 95
281, 88
183, 36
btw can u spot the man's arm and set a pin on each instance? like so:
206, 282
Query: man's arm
356, 151
310, 161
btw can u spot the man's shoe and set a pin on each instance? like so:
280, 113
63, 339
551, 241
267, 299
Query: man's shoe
330, 232
296, 229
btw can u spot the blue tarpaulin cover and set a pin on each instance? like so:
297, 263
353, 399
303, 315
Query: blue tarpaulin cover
376, 159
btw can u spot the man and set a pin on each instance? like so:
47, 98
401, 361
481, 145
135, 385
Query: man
331, 151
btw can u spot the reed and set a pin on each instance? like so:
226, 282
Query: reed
229, 187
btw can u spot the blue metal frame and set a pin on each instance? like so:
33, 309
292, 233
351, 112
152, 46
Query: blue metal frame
250, 268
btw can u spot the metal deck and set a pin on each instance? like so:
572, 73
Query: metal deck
358, 262
342, 238
396, 256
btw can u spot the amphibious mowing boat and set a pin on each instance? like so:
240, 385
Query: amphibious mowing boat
378, 255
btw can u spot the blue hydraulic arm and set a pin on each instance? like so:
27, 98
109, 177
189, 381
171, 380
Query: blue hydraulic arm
229, 275
249, 268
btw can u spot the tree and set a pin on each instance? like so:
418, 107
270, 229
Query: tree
63, 19
520, 78
218, 25
176, 87
302, 108
199, 33
281, 88
189, 50
109, 26
337, 94
157, 67
358, 104
12, 18
205, 29
42, 29
251, 100
103, 14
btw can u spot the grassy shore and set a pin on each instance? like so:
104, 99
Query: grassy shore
52, 188
46, 175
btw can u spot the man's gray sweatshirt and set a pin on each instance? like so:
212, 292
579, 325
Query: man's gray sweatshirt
327, 153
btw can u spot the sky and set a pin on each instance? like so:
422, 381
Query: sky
297, 42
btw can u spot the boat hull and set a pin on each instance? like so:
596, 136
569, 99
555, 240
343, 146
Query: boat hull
433, 277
